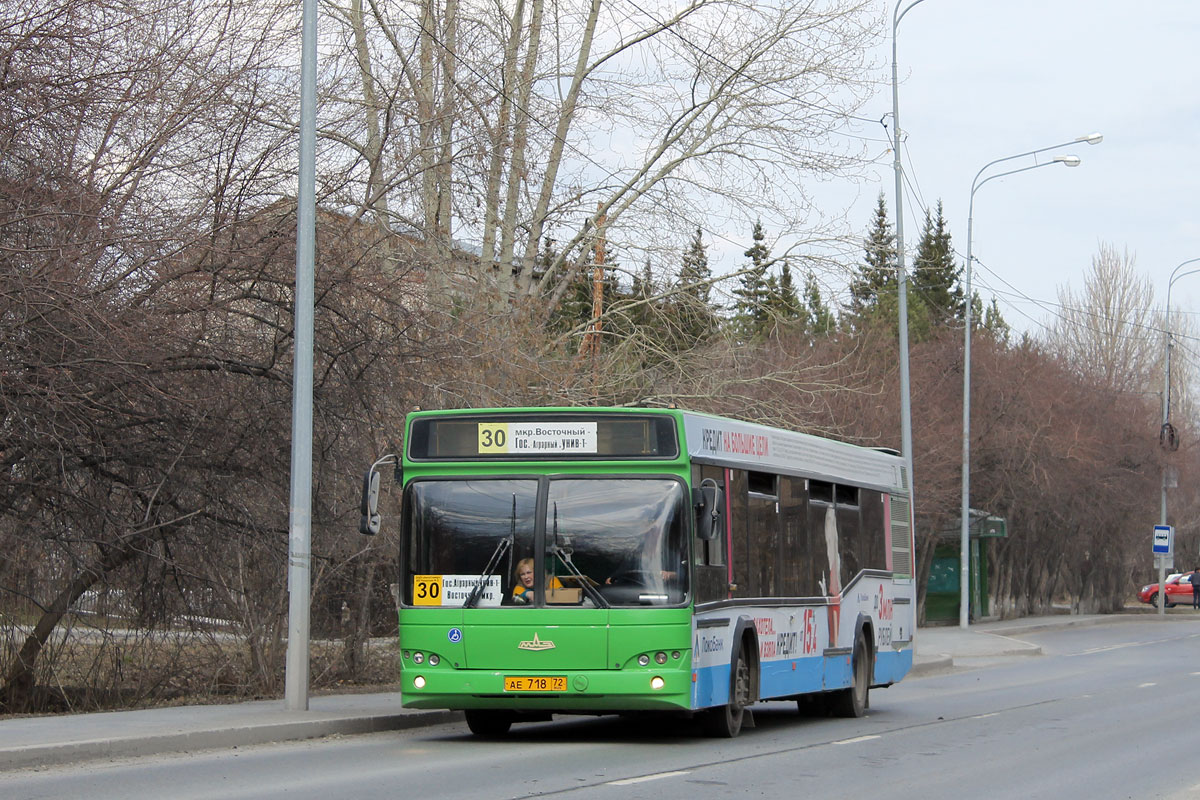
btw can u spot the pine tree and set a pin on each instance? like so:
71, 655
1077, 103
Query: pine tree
644, 313
785, 302
694, 274
691, 306
936, 274
819, 318
750, 309
995, 324
873, 289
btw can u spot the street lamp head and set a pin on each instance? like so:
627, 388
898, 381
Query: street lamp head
1070, 161
1091, 138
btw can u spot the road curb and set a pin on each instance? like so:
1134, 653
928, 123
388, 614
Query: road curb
43, 755
927, 666
1018, 628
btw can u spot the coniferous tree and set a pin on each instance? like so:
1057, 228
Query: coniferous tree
819, 318
785, 300
694, 274
750, 309
645, 313
995, 324
936, 274
873, 289
695, 317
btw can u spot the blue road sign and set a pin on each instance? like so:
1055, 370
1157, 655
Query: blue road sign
1164, 539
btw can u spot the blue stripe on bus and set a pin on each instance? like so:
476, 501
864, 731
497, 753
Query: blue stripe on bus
779, 679
711, 687
891, 666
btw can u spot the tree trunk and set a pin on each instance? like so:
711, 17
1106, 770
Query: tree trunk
17, 694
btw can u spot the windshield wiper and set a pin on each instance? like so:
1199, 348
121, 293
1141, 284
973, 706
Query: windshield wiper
503, 547
564, 557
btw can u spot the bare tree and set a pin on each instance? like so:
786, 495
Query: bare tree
555, 113
1109, 330
145, 307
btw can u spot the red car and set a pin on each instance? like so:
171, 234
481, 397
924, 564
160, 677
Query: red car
1179, 590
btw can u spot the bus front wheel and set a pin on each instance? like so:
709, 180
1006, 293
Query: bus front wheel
854, 700
484, 722
725, 722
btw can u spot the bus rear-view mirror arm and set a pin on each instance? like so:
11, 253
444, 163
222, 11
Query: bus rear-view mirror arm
707, 501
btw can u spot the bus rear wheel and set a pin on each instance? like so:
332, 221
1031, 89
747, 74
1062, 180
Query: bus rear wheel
853, 701
486, 722
725, 722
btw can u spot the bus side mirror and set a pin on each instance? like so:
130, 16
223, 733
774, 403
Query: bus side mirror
369, 507
369, 522
707, 500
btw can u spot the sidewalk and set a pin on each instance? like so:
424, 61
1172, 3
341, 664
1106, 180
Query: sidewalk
45, 741
941, 648
68, 738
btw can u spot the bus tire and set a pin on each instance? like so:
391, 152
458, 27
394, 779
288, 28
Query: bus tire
853, 701
486, 722
725, 722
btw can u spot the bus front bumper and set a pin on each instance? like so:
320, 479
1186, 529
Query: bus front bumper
601, 691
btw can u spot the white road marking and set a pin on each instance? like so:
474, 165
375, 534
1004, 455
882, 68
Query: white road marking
644, 778
1146, 685
985, 716
857, 739
1123, 645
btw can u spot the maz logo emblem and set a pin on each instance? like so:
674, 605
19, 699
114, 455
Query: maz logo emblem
535, 644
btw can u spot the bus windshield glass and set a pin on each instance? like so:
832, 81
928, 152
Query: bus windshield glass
603, 542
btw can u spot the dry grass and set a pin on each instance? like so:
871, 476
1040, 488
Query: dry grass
93, 664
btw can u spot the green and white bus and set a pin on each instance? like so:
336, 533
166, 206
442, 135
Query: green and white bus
610, 560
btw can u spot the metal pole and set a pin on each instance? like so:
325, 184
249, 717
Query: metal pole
1166, 412
964, 608
1166, 418
906, 446
300, 504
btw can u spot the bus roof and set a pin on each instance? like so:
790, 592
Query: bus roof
730, 442
707, 438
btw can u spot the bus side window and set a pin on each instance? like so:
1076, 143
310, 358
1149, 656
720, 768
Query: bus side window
741, 554
874, 530
762, 532
793, 538
850, 533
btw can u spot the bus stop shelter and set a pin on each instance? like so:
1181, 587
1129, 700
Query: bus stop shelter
942, 591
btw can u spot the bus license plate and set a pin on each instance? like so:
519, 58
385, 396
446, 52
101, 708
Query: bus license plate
527, 683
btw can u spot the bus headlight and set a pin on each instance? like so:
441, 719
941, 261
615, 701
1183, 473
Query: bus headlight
433, 659
660, 658
643, 660
657, 683
419, 681
418, 658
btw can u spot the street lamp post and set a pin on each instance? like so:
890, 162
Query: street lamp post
300, 504
964, 609
1166, 434
901, 274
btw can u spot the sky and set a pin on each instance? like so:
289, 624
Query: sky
985, 79
982, 80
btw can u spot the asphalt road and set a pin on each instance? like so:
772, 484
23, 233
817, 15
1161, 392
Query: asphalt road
1107, 711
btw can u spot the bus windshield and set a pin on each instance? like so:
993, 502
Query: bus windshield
602, 542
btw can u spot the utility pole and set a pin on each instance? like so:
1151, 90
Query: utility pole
590, 346
300, 511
